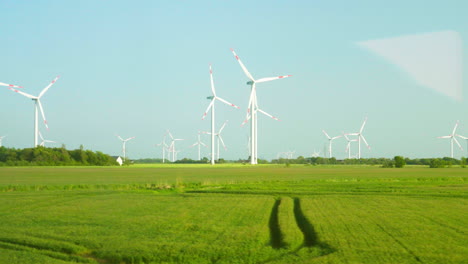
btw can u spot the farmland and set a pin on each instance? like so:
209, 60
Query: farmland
233, 214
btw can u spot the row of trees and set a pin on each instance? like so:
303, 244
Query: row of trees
42, 156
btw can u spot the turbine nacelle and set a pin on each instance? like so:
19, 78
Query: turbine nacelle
210, 97
250, 83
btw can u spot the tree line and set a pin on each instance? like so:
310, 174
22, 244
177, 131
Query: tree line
42, 156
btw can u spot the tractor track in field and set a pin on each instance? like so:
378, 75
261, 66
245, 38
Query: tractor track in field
61, 253
401, 244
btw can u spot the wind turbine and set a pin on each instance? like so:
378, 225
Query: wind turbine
315, 154
218, 135
211, 106
330, 140
360, 136
453, 138
348, 146
253, 108
43, 141
124, 142
37, 106
1, 138
164, 146
10, 85
172, 145
199, 143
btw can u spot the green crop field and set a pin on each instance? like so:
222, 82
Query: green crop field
233, 214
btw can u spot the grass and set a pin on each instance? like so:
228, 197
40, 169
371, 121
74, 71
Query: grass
233, 214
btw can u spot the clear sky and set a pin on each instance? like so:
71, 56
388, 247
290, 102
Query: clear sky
137, 68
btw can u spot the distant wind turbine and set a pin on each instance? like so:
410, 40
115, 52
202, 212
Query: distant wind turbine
1, 138
211, 106
360, 137
220, 139
199, 143
330, 140
454, 139
37, 106
172, 145
164, 147
253, 108
348, 146
315, 154
124, 142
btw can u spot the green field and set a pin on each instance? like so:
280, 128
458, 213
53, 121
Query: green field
233, 214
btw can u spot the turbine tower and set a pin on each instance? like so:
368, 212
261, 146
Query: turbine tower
211, 106
199, 143
348, 146
164, 146
124, 142
172, 145
330, 140
37, 106
453, 138
360, 137
253, 108
220, 139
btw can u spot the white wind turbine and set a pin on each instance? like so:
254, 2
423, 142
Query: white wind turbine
1, 138
253, 108
37, 106
348, 146
199, 143
220, 139
172, 145
124, 142
164, 147
330, 140
211, 106
315, 154
453, 138
360, 136
43, 141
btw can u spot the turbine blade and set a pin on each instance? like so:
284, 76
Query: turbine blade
212, 82
333, 138
458, 143
243, 67
170, 135
365, 141
326, 134
207, 109
363, 124
246, 120
119, 137
272, 78
252, 93
226, 102
23, 93
196, 143
265, 113
47, 87
460, 136
10, 85
222, 127
42, 113
445, 137
455, 128
222, 141
40, 135
129, 138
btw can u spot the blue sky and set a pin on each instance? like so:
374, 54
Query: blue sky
137, 68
